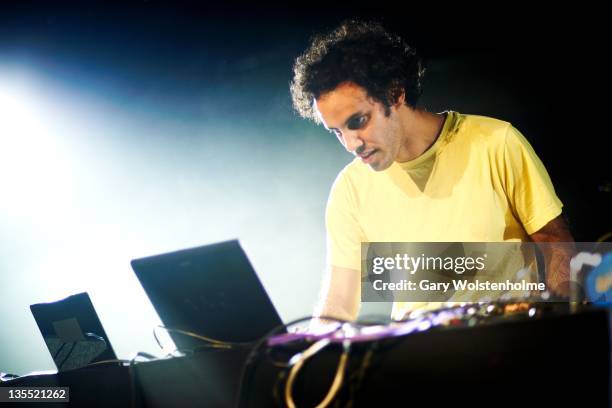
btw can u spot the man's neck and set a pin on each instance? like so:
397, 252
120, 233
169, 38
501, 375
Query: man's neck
421, 130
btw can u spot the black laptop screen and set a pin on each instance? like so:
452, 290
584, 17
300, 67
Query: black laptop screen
211, 290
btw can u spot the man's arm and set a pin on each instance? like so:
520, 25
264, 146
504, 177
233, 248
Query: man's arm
341, 294
557, 256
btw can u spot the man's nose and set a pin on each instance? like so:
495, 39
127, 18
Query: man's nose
353, 143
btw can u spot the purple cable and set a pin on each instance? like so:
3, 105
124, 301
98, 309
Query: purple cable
361, 334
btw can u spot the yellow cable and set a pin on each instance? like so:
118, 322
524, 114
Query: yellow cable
298, 361
213, 342
605, 237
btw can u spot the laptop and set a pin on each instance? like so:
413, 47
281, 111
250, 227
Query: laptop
210, 290
72, 332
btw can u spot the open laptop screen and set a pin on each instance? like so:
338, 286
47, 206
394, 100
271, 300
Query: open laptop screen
72, 332
211, 290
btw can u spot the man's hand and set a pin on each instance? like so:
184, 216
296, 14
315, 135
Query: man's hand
557, 256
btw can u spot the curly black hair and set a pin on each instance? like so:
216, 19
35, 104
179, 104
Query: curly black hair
360, 52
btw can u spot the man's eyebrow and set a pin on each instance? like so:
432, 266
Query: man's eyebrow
353, 116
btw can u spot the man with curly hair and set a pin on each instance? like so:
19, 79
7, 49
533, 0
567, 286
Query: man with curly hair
417, 176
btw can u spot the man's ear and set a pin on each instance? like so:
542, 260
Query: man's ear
397, 96
401, 98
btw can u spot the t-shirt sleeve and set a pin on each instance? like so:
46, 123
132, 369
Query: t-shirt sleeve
344, 235
527, 183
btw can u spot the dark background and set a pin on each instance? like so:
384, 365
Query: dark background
541, 70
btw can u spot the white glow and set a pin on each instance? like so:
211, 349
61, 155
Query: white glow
89, 183
33, 167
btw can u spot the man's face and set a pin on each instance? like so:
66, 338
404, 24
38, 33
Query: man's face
360, 124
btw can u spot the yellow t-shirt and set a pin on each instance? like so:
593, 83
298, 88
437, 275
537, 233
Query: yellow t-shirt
480, 181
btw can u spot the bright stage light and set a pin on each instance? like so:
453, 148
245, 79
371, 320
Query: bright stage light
33, 166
